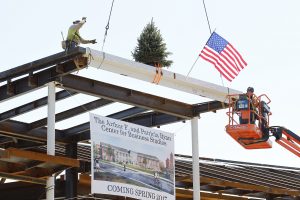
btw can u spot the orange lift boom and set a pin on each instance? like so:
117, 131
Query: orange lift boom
287, 139
249, 124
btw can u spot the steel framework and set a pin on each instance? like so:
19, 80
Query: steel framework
216, 182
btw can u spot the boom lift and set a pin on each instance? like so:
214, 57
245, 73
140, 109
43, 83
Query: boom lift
249, 124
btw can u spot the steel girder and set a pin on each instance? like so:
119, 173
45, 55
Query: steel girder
119, 115
151, 119
173, 110
209, 106
33, 105
125, 95
21, 130
42, 63
71, 112
35, 81
82, 132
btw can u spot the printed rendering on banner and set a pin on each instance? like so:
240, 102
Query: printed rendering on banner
131, 160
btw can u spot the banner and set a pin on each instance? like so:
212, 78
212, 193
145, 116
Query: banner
131, 160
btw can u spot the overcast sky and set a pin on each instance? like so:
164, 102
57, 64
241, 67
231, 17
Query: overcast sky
266, 33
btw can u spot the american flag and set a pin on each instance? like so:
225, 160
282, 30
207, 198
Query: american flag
223, 56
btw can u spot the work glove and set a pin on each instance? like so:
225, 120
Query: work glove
93, 41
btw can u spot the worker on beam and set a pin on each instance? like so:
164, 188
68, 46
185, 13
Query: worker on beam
74, 38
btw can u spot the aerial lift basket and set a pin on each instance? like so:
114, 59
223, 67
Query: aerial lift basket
249, 121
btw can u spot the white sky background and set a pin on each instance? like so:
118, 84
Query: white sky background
266, 33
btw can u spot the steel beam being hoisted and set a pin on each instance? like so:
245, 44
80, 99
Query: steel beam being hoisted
159, 76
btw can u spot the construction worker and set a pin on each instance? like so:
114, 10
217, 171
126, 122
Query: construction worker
247, 101
250, 92
253, 104
251, 96
74, 38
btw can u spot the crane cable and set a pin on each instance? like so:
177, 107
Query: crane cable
207, 19
105, 33
107, 26
210, 33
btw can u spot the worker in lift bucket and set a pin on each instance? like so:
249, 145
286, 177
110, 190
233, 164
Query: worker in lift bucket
74, 38
253, 104
250, 92
244, 100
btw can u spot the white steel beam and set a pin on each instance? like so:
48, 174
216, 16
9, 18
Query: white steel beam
147, 73
50, 185
195, 153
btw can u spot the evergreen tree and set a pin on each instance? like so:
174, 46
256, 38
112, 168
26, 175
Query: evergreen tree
151, 48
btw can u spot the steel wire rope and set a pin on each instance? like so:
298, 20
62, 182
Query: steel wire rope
207, 19
192, 67
208, 23
61, 85
105, 33
181, 127
206, 16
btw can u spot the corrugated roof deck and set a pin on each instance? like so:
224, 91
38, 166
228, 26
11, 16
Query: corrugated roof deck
223, 176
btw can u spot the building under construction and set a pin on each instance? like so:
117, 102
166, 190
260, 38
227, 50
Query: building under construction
33, 152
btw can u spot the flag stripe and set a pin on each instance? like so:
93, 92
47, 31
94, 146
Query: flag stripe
228, 65
234, 58
218, 65
216, 59
214, 63
228, 57
239, 55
